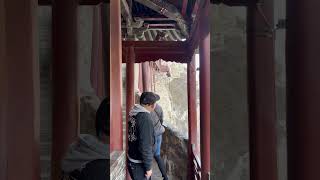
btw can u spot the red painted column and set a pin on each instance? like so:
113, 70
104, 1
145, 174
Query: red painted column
204, 50
20, 85
140, 81
146, 76
261, 93
3, 94
130, 79
192, 113
303, 89
65, 122
130, 88
151, 76
116, 139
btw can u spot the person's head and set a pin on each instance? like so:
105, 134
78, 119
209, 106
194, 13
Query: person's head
103, 119
148, 100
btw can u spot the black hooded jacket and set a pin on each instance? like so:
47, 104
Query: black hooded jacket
140, 137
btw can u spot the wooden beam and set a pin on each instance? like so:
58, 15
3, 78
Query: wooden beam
20, 91
65, 109
204, 83
44, 2
303, 89
92, 2
192, 113
115, 77
126, 13
154, 50
193, 41
234, 2
184, 8
169, 11
81, 2
155, 44
261, 93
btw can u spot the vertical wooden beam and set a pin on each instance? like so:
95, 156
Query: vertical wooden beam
303, 89
130, 79
116, 139
151, 76
19, 61
192, 112
146, 76
130, 89
105, 23
140, 81
204, 51
184, 8
261, 92
3, 94
65, 123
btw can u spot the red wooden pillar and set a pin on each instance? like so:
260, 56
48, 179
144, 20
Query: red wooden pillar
140, 81
3, 94
303, 89
261, 88
65, 123
116, 139
204, 50
192, 113
20, 91
130, 79
151, 76
130, 88
97, 65
146, 76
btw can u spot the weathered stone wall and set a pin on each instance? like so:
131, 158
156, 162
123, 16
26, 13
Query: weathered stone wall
229, 135
173, 93
174, 153
45, 62
85, 26
229, 110
280, 13
174, 102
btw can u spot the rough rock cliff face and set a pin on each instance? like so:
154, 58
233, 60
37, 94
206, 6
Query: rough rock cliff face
174, 153
173, 93
174, 101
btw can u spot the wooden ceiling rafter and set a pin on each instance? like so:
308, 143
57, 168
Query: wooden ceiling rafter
154, 50
81, 2
168, 10
193, 41
126, 13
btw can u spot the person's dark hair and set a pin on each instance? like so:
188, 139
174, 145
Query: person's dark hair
149, 98
103, 118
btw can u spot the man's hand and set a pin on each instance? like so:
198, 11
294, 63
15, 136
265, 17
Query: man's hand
148, 174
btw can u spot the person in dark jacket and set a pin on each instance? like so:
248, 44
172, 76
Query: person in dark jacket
157, 119
141, 137
88, 158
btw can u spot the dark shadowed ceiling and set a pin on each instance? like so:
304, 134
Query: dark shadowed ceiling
152, 20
